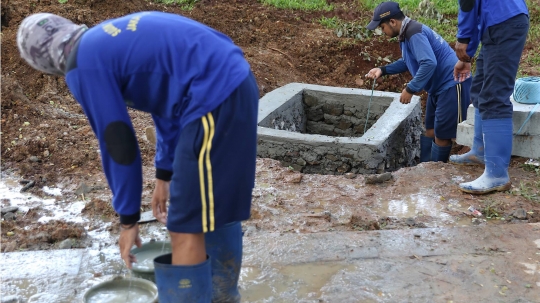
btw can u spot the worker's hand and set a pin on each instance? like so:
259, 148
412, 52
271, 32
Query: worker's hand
461, 52
159, 200
405, 97
462, 71
374, 73
128, 237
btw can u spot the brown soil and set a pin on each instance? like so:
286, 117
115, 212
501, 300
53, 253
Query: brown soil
46, 138
26, 234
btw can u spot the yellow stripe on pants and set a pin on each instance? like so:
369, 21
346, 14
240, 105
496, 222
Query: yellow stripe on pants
209, 172
460, 114
208, 125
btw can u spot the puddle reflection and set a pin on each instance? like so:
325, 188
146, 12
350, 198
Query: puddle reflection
287, 283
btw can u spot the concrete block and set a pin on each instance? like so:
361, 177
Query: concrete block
525, 144
18, 265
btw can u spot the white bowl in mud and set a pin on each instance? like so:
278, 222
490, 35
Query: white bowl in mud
122, 290
145, 255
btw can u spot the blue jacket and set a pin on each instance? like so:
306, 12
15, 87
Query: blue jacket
170, 66
475, 16
428, 57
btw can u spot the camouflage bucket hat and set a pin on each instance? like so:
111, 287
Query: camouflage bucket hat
41, 39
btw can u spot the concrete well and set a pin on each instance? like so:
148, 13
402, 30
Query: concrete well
320, 129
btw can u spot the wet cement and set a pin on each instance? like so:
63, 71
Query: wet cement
491, 263
129, 294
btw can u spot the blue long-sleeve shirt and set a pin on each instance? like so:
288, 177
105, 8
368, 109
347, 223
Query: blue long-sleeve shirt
428, 57
170, 66
475, 16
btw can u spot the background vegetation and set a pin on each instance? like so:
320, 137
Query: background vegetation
440, 15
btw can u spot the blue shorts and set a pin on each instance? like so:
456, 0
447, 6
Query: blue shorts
214, 165
446, 110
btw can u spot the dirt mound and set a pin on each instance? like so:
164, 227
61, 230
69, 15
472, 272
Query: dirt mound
44, 132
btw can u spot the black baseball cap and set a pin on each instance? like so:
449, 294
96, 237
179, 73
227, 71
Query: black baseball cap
383, 10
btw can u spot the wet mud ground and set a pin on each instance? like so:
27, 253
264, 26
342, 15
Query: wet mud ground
47, 140
487, 263
287, 201
311, 238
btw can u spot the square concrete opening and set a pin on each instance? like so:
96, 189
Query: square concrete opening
320, 129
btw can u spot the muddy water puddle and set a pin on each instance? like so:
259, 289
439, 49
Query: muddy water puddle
424, 204
322, 203
53, 208
101, 261
286, 283
311, 205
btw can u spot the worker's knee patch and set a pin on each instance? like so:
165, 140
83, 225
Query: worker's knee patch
121, 143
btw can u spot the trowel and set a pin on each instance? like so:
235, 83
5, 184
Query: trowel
147, 216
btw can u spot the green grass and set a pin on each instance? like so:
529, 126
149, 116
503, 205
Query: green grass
184, 4
329, 22
533, 57
346, 29
443, 6
445, 25
492, 209
450, 10
308, 5
530, 191
448, 27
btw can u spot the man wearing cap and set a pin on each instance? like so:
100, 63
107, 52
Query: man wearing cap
430, 60
203, 99
502, 27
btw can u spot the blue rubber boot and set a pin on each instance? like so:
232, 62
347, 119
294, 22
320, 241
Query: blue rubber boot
425, 148
181, 283
498, 150
440, 153
224, 246
476, 155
